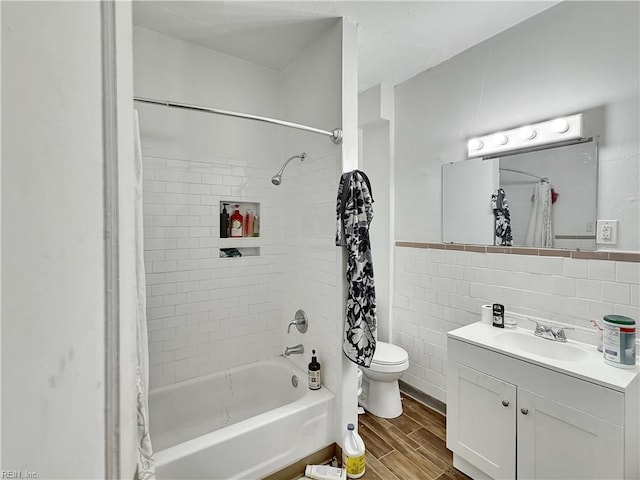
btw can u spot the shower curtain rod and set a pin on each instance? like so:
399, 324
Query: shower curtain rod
335, 135
542, 179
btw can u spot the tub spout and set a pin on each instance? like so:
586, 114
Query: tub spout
296, 349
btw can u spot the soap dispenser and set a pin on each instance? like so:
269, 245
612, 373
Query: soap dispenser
224, 221
314, 372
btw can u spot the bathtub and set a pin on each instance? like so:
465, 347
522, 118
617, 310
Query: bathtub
247, 422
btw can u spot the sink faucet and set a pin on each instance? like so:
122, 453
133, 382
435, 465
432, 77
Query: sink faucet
548, 332
296, 349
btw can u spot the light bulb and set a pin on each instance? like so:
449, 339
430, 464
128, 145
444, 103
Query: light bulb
475, 144
500, 139
560, 125
527, 133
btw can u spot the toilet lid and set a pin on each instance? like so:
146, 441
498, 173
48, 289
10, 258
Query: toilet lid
388, 354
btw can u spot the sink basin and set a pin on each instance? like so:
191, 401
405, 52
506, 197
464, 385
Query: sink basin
529, 343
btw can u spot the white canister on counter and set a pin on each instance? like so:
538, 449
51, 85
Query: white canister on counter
487, 314
619, 341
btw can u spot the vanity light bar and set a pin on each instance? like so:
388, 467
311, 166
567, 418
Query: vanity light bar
551, 131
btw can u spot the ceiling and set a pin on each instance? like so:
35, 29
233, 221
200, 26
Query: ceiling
396, 39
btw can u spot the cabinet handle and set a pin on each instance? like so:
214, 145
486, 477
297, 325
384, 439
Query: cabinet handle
524, 411
505, 403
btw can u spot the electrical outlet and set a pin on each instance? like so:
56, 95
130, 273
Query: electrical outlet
607, 232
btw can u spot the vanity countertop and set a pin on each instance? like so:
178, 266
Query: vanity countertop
590, 366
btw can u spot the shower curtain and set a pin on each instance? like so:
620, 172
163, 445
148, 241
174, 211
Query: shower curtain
146, 470
540, 230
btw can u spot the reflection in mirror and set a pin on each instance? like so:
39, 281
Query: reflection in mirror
552, 196
565, 175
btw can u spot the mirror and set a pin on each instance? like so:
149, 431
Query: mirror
550, 193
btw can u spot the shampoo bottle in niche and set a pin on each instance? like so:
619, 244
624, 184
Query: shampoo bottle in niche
353, 453
314, 372
224, 221
256, 226
236, 223
248, 224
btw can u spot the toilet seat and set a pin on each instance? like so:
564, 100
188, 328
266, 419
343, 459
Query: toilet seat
389, 354
389, 358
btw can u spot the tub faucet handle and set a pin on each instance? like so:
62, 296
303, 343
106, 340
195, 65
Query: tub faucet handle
300, 321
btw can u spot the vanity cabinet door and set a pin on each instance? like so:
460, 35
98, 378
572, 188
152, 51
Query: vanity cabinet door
556, 441
481, 420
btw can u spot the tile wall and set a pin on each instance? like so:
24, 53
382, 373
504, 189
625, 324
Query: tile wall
438, 290
310, 263
206, 313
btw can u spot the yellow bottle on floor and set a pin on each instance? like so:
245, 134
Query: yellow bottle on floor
353, 453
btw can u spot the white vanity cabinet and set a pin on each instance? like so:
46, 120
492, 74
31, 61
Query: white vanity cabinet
512, 414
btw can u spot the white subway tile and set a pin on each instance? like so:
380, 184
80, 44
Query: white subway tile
187, 221
598, 309
628, 272
175, 299
174, 209
564, 286
575, 267
616, 292
160, 312
177, 187
231, 180
635, 295
188, 177
601, 270
576, 307
212, 179
589, 289
166, 175
199, 189
153, 302
188, 199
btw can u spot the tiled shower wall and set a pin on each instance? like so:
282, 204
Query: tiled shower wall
310, 264
206, 313
438, 290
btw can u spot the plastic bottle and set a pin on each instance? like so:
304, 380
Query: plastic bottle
236, 223
248, 224
256, 226
314, 373
224, 222
353, 453
324, 472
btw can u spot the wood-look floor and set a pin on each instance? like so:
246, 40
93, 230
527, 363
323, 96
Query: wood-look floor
410, 447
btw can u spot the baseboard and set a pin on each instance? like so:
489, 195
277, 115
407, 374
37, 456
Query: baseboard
296, 470
422, 397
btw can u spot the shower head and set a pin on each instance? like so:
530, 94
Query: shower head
277, 178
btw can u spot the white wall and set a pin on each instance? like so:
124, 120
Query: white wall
206, 313
573, 57
375, 116
52, 240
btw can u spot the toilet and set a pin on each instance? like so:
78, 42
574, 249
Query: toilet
388, 365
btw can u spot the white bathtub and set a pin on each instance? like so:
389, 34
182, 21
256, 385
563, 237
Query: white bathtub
247, 422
